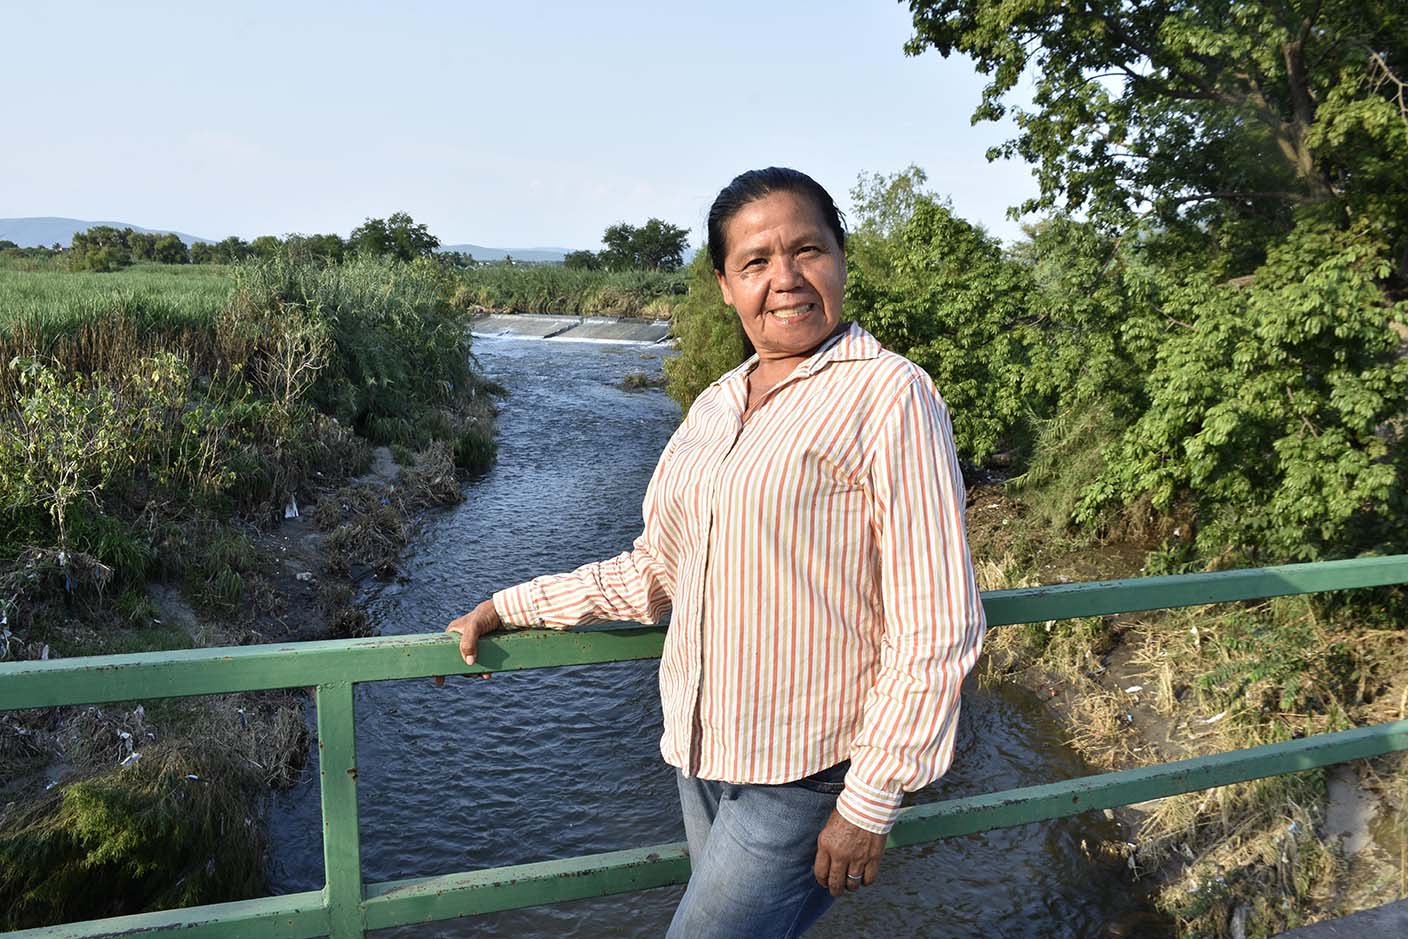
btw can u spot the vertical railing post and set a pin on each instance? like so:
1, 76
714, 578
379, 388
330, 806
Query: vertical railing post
342, 850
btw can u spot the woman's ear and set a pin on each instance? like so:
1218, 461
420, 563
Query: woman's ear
723, 287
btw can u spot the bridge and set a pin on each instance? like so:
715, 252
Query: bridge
347, 907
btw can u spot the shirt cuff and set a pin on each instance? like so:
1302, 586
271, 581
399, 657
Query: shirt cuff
515, 606
866, 807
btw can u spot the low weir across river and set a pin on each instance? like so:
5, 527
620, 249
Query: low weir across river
569, 328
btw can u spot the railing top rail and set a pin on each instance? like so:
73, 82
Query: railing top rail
96, 679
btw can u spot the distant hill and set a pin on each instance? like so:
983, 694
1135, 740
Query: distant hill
43, 232
481, 253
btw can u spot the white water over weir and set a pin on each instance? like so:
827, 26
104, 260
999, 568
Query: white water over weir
575, 328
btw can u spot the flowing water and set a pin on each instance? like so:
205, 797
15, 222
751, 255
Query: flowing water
554, 763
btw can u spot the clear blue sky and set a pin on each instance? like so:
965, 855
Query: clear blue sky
509, 124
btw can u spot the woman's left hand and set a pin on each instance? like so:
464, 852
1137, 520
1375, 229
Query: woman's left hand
847, 857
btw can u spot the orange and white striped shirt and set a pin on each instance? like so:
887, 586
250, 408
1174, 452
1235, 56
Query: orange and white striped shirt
824, 602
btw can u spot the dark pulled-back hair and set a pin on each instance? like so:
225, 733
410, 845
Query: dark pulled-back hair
754, 184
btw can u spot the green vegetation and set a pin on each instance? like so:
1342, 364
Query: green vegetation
635, 275
711, 340
152, 422
396, 237
939, 291
228, 401
168, 826
551, 288
654, 246
38, 308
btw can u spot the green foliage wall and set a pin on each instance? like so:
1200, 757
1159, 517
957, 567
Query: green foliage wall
1276, 406
939, 291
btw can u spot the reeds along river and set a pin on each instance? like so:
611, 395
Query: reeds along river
554, 763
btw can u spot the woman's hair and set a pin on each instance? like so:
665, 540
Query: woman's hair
754, 184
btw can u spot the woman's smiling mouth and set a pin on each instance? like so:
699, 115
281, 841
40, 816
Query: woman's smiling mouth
790, 314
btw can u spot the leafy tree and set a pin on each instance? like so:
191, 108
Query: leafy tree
456, 259
233, 249
229, 251
1200, 112
654, 246
141, 244
581, 261
1091, 345
330, 248
7, 245
101, 248
711, 340
265, 247
170, 249
1273, 404
398, 236
953, 304
63, 441
1220, 338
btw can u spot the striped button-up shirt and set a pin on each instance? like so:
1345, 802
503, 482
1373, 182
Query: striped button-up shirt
824, 602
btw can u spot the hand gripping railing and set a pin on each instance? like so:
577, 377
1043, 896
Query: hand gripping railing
346, 907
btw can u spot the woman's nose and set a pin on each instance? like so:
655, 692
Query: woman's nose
786, 274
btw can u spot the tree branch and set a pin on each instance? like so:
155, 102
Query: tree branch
1235, 195
1386, 76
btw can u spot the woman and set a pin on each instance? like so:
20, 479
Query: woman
805, 526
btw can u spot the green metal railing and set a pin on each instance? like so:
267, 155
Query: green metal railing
347, 907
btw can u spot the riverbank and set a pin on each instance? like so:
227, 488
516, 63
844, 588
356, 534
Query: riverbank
180, 476
1252, 859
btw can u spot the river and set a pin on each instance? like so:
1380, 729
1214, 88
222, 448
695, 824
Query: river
545, 764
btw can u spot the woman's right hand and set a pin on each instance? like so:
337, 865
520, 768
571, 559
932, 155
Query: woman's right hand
477, 622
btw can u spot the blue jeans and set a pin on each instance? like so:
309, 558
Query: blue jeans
751, 851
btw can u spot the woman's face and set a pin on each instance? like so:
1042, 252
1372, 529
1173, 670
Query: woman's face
784, 273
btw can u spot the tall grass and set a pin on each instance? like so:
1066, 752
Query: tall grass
550, 288
46, 261
399, 348
175, 292
222, 391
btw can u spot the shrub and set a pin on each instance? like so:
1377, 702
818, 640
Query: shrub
1272, 407
169, 831
710, 338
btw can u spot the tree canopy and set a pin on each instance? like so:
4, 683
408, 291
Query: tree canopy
1205, 111
1217, 340
398, 236
101, 248
654, 246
